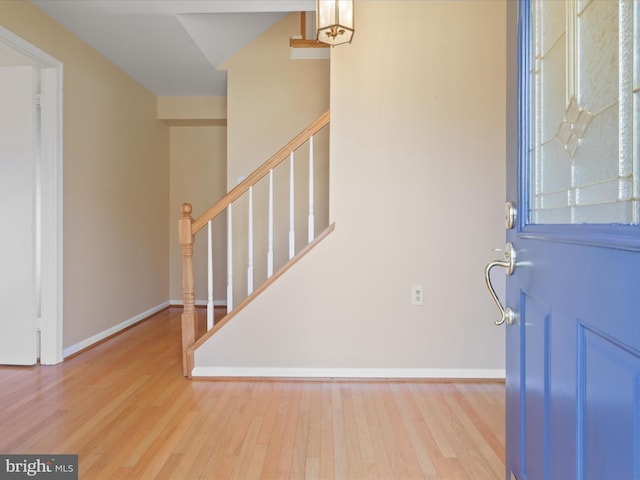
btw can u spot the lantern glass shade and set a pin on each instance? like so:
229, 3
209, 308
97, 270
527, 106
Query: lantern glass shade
334, 21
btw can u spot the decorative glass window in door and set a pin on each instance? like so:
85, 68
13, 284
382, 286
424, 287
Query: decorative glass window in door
585, 112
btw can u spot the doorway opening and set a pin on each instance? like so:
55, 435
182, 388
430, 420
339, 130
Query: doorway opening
46, 232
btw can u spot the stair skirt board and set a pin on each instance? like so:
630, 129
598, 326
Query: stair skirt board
373, 373
112, 331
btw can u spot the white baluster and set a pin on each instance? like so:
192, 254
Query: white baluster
292, 233
270, 241
209, 277
250, 245
229, 260
311, 216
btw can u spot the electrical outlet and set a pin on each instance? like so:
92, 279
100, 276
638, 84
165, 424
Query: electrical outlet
417, 295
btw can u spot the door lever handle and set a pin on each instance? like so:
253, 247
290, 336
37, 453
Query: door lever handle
506, 314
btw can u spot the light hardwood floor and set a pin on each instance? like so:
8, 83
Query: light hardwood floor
125, 408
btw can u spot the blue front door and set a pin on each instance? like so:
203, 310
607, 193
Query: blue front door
573, 349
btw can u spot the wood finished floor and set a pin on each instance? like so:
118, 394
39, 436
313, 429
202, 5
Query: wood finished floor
128, 413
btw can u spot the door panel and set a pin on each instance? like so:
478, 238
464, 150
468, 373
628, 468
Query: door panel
573, 354
535, 346
17, 179
609, 402
573, 396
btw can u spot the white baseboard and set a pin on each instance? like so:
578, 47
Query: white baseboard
199, 303
418, 373
110, 331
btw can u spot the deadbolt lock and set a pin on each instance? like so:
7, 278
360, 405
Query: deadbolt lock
510, 215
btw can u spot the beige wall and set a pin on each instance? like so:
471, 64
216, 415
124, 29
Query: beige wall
184, 110
116, 183
198, 176
417, 192
270, 99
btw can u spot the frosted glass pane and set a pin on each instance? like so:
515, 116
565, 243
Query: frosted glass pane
607, 213
625, 107
597, 157
598, 193
635, 183
636, 46
555, 168
535, 121
582, 4
585, 112
598, 55
553, 24
625, 188
554, 200
553, 91
636, 112
553, 216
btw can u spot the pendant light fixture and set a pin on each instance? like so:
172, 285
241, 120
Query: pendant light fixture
334, 21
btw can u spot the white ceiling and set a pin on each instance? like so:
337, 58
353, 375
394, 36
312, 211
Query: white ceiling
171, 46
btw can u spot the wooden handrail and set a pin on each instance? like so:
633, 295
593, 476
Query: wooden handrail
260, 172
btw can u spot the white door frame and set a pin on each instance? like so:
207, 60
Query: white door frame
51, 194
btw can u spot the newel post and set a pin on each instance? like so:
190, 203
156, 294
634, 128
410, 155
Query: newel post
189, 314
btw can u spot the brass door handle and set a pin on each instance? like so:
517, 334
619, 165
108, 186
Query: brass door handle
506, 314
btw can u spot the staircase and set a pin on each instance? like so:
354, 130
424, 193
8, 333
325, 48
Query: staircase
302, 145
